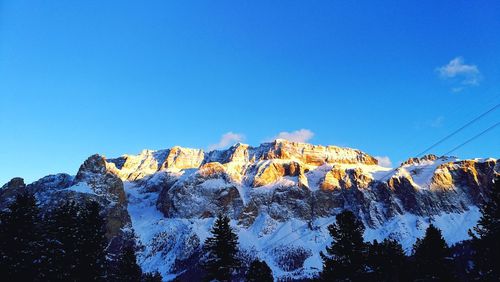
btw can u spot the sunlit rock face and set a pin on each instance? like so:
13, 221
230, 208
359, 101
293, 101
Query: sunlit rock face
212, 170
239, 153
170, 196
148, 162
273, 171
288, 179
182, 158
426, 158
130, 167
345, 178
279, 170
314, 155
442, 179
432, 185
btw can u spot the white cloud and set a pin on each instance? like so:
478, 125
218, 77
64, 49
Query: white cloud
460, 72
384, 161
301, 135
227, 139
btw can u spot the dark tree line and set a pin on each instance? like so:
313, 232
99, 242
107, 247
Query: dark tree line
20, 240
349, 258
66, 244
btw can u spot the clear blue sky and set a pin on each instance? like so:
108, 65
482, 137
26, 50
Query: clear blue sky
114, 77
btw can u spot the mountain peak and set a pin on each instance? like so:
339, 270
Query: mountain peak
178, 158
429, 158
93, 164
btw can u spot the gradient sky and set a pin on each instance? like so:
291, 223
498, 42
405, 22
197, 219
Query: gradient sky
115, 77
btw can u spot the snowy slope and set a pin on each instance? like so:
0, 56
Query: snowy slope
165, 239
280, 196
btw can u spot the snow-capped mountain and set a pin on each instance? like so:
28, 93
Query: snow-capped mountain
280, 196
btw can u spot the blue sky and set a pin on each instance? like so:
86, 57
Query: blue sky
115, 77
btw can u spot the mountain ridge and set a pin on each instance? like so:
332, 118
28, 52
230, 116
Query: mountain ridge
166, 200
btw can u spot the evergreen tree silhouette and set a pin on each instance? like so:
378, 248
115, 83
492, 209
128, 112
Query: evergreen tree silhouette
64, 232
128, 270
77, 243
486, 237
345, 258
221, 251
20, 240
387, 261
432, 257
92, 243
259, 271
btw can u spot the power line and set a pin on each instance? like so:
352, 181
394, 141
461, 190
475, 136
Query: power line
469, 114
450, 135
458, 130
472, 139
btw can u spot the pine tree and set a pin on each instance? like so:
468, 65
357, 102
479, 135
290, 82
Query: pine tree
259, 271
52, 258
345, 257
63, 228
76, 248
387, 261
151, 277
486, 237
432, 257
221, 251
92, 243
127, 269
20, 240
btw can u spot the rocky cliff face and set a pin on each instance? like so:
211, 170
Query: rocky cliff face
148, 162
278, 189
108, 190
307, 181
93, 182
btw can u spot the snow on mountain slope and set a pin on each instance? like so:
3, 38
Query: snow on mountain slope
166, 240
280, 196
422, 170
